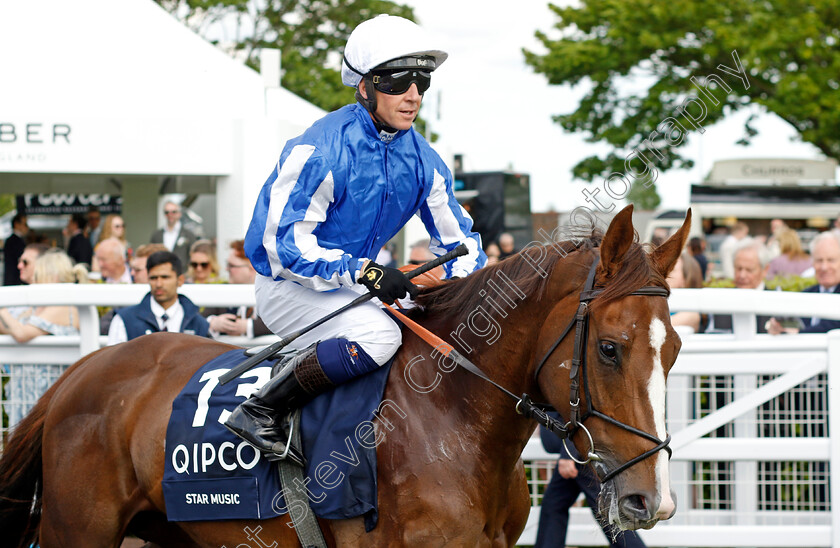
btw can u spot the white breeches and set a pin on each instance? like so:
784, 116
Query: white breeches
285, 307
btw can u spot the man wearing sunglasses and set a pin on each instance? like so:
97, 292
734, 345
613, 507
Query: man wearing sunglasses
338, 193
174, 235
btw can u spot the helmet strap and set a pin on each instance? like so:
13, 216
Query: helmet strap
370, 106
370, 102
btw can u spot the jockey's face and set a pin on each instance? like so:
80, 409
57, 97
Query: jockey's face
397, 111
164, 284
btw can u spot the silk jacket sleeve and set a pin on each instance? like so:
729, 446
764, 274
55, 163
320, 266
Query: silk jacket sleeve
292, 203
449, 225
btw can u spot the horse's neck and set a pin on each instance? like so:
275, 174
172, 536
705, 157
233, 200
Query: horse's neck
476, 411
502, 340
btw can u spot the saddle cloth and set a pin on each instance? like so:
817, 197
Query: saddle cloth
211, 474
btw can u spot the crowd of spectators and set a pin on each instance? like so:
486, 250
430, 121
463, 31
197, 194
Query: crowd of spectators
28, 381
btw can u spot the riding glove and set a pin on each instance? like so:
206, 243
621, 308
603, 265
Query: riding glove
386, 283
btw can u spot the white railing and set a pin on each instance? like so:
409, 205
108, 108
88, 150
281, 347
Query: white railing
65, 350
742, 359
88, 296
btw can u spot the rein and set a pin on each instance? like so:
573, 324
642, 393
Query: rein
539, 411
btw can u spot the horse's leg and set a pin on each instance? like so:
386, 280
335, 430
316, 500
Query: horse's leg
154, 527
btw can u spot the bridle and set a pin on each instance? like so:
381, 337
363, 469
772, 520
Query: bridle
565, 430
540, 411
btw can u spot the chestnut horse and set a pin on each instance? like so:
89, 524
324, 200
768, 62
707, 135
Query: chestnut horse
84, 468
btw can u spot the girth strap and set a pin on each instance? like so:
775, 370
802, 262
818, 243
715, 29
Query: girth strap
305, 524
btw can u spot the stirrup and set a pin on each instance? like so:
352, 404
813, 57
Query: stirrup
289, 452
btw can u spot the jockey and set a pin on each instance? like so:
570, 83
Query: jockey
338, 193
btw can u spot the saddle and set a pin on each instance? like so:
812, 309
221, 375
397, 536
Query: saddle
282, 355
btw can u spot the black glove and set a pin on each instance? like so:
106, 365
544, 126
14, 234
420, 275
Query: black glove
386, 283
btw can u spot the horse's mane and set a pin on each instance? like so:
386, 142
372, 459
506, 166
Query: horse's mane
457, 296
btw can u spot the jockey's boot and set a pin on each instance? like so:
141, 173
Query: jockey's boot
261, 420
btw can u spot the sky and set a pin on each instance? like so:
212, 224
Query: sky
496, 111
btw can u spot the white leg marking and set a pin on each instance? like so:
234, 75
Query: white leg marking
656, 393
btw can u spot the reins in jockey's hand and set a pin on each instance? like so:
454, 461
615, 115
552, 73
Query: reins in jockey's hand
386, 283
539, 411
272, 349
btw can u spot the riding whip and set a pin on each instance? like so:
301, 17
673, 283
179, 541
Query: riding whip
277, 346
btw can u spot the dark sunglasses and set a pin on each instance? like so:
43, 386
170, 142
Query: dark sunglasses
397, 83
202, 265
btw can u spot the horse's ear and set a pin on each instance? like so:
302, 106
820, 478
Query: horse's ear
665, 256
616, 242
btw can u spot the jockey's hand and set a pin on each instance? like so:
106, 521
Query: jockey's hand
386, 283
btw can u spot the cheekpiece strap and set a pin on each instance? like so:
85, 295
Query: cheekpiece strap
527, 408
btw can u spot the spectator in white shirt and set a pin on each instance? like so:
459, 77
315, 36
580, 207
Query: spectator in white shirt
735, 240
110, 258
162, 309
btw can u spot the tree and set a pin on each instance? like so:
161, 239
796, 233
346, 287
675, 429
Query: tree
644, 197
7, 203
659, 69
310, 35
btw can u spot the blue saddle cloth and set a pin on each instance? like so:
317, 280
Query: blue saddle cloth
211, 474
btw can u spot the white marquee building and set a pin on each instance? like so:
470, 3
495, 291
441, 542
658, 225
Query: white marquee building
104, 97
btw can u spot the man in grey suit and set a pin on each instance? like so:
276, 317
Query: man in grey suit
174, 236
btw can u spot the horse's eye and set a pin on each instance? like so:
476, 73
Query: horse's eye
608, 350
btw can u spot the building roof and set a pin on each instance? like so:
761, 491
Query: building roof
137, 91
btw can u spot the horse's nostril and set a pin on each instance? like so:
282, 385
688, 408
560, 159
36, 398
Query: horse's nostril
635, 508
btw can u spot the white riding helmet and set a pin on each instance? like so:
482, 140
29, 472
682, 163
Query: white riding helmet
384, 38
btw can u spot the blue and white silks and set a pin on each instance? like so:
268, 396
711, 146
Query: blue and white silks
339, 193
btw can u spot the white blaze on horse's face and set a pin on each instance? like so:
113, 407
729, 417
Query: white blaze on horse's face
656, 392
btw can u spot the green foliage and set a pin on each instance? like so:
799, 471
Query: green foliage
636, 58
7, 203
310, 35
787, 283
791, 283
719, 282
644, 197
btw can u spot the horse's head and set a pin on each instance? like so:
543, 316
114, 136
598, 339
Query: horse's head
625, 348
